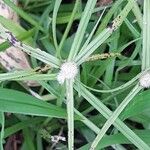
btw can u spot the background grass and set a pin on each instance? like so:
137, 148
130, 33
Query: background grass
101, 93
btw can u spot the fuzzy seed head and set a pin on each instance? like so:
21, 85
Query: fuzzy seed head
145, 80
68, 70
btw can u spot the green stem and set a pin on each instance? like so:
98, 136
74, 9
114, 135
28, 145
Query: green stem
70, 112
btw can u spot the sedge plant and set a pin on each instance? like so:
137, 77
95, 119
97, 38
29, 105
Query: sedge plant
70, 71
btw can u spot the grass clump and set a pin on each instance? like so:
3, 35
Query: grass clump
89, 92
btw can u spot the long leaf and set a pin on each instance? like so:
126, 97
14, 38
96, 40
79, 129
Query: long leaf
18, 102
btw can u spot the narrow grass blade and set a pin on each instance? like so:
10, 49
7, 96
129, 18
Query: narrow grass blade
26, 75
23, 36
108, 16
118, 139
16, 29
138, 14
23, 14
41, 55
126, 85
21, 125
36, 53
114, 116
93, 45
146, 36
38, 77
81, 29
92, 32
90, 124
97, 104
86, 121
56, 8
68, 27
133, 30
16, 74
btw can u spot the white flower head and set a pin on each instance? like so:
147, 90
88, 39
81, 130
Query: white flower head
68, 70
60, 78
145, 80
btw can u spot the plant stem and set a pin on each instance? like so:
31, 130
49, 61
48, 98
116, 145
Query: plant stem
70, 112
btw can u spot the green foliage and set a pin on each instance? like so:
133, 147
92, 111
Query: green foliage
110, 105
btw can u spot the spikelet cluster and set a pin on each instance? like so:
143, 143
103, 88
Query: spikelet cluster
145, 80
68, 70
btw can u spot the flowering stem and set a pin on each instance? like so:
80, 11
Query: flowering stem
70, 112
